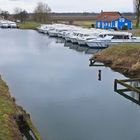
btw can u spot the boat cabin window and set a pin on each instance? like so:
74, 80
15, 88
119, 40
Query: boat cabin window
90, 38
86, 35
101, 36
120, 37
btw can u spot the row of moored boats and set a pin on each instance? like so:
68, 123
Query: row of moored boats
94, 38
7, 24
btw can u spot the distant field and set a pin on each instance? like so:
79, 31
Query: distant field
33, 25
84, 23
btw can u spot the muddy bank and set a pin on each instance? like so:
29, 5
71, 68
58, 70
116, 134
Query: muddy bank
14, 120
123, 58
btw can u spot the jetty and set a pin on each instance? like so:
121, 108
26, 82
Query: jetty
128, 88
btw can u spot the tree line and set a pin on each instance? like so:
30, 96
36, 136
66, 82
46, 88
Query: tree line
41, 14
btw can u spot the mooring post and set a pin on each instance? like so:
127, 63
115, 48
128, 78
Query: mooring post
99, 75
115, 84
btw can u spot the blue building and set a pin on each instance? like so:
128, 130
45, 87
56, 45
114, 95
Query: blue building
108, 20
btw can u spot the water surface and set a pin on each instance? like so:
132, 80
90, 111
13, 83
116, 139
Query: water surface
55, 84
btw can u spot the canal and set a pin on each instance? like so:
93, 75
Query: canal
64, 96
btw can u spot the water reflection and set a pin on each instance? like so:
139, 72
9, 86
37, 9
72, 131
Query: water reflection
128, 94
60, 40
79, 48
99, 75
132, 96
62, 93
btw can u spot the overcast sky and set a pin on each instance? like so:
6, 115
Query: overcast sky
71, 5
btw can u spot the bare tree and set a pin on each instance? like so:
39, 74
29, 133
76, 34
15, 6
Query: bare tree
41, 12
4, 14
137, 10
20, 14
16, 13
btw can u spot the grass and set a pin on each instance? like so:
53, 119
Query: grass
8, 108
123, 56
135, 31
86, 24
28, 25
8, 128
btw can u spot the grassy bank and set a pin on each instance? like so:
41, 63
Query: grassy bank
124, 58
28, 25
9, 130
135, 32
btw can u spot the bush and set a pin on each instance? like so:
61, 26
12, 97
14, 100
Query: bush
114, 28
125, 27
92, 25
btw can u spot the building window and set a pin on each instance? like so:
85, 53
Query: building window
122, 20
103, 25
126, 24
111, 24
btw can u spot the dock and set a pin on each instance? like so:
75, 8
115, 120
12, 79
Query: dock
130, 89
94, 63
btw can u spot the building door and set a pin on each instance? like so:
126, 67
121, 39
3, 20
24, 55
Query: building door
103, 25
116, 24
99, 26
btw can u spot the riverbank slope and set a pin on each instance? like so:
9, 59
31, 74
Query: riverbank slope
29, 25
9, 128
124, 58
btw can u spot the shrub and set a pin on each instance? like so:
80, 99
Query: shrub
114, 28
92, 25
125, 27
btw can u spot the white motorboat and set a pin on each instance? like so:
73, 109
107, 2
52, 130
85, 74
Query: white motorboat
7, 24
91, 37
13, 25
105, 39
41, 28
88, 35
82, 40
75, 35
4, 24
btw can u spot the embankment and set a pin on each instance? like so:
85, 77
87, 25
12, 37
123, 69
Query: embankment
12, 117
124, 58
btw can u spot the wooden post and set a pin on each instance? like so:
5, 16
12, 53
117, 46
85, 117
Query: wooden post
91, 62
115, 84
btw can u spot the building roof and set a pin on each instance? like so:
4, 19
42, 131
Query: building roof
108, 16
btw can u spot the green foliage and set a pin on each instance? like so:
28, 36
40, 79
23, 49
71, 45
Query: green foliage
87, 24
8, 128
125, 27
8, 108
